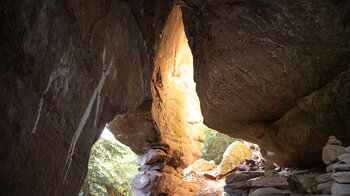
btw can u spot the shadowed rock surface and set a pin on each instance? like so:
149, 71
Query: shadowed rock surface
67, 67
272, 72
275, 73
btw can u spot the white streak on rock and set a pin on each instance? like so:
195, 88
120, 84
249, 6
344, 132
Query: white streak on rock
60, 72
99, 91
86, 115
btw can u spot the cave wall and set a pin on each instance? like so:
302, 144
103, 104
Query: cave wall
269, 72
67, 67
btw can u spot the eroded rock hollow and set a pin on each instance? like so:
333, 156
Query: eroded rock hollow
275, 73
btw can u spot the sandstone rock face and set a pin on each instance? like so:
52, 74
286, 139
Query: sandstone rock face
275, 73
172, 125
260, 77
136, 129
174, 95
67, 68
234, 155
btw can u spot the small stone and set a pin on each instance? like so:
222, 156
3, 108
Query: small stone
329, 168
324, 177
155, 156
330, 153
210, 192
341, 177
202, 165
233, 192
278, 182
339, 166
242, 167
325, 187
246, 184
269, 191
347, 149
340, 189
241, 176
345, 157
332, 140
250, 161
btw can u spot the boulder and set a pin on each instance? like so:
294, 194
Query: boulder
324, 177
234, 155
241, 176
340, 189
251, 87
202, 165
330, 153
332, 140
341, 177
269, 191
344, 158
325, 187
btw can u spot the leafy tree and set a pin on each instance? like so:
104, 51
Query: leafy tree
111, 167
215, 144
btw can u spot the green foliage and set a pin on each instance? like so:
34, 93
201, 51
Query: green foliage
111, 166
215, 145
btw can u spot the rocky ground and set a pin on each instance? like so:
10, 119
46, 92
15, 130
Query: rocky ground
256, 177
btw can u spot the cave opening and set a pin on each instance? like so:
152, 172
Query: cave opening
111, 167
175, 110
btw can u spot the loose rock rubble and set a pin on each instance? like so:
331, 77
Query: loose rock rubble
264, 178
258, 177
340, 169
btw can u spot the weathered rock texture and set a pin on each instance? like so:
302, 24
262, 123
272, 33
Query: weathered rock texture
67, 67
273, 72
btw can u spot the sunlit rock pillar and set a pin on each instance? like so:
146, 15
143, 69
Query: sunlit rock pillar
168, 137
